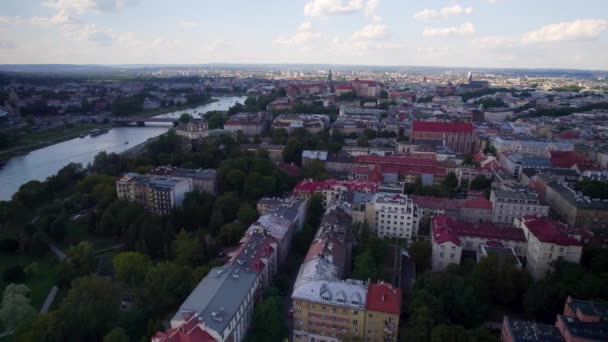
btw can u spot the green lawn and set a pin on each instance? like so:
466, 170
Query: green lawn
39, 284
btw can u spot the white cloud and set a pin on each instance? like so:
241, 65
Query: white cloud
322, 8
582, 29
187, 24
377, 18
465, 29
370, 7
305, 26
444, 12
496, 42
81, 6
371, 32
5, 45
302, 38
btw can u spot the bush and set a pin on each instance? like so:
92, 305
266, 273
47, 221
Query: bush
32, 269
14, 274
9, 245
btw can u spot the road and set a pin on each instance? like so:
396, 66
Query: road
50, 298
58, 252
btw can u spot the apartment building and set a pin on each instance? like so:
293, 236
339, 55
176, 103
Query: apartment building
530, 147
291, 208
394, 216
194, 130
203, 180
330, 307
508, 205
576, 209
249, 124
222, 303
514, 162
332, 189
548, 241
275, 152
313, 123
450, 238
156, 194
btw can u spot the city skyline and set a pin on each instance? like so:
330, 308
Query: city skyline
473, 33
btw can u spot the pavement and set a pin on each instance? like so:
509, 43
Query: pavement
58, 252
50, 298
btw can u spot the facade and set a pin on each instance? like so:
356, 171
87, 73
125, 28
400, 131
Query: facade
509, 205
158, 195
249, 124
458, 136
193, 130
394, 216
575, 209
313, 123
332, 189
471, 210
328, 306
548, 241
281, 229
514, 162
275, 152
530, 147
450, 238
203, 180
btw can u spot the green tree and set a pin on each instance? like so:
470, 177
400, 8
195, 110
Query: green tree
362, 141
420, 325
166, 285
187, 249
420, 252
365, 267
293, 152
80, 261
266, 323
15, 307
315, 211
247, 215
234, 180
185, 118
230, 234
315, 170
480, 183
383, 94
116, 335
450, 181
131, 268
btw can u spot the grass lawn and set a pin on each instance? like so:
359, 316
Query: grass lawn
39, 284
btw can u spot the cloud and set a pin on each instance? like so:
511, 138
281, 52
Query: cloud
81, 6
578, 30
303, 37
465, 29
370, 7
187, 24
372, 32
444, 12
323, 8
582, 29
351, 45
5, 45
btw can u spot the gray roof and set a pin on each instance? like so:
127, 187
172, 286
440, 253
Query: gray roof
217, 298
578, 199
527, 331
517, 196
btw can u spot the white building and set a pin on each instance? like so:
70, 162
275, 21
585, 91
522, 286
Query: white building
530, 147
548, 241
509, 205
394, 215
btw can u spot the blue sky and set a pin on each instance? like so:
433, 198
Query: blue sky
473, 33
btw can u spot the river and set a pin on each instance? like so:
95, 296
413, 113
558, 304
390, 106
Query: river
42, 163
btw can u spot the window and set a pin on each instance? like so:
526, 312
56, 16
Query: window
441, 255
452, 256
371, 316
354, 322
355, 312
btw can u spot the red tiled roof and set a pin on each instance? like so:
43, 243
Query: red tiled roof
344, 86
550, 231
443, 127
410, 159
189, 331
442, 223
434, 202
568, 135
383, 297
477, 203
565, 159
310, 186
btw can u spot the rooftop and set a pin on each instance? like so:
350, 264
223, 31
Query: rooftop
527, 331
442, 127
218, 296
550, 231
447, 229
383, 297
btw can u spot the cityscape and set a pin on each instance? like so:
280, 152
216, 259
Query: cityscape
333, 170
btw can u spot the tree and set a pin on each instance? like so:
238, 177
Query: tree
293, 152
480, 183
383, 94
247, 215
166, 285
315, 211
80, 261
315, 170
266, 324
365, 267
230, 234
116, 335
187, 249
234, 180
420, 325
15, 307
362, 141
257, 185
420, 252
131, 268
185, 118
450, 181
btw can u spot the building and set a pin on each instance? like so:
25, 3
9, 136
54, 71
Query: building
394, 216
249, 124
576, 209
508, 205
275, 152
222, 302
548, 241
581, 321
502, 254
332, 189
530, 147
327, 305
291, 208
458, 136
280, 228
366, 88
313, 123
258, 252
158, 195
498, 114
203, 180
514, 162
450, 239
467, 210
193, 130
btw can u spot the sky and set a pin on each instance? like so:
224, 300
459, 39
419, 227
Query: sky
464, 33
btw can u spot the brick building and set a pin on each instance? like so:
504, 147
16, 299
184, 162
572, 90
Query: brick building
458, 136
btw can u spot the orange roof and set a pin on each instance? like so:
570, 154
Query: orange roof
383, 297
